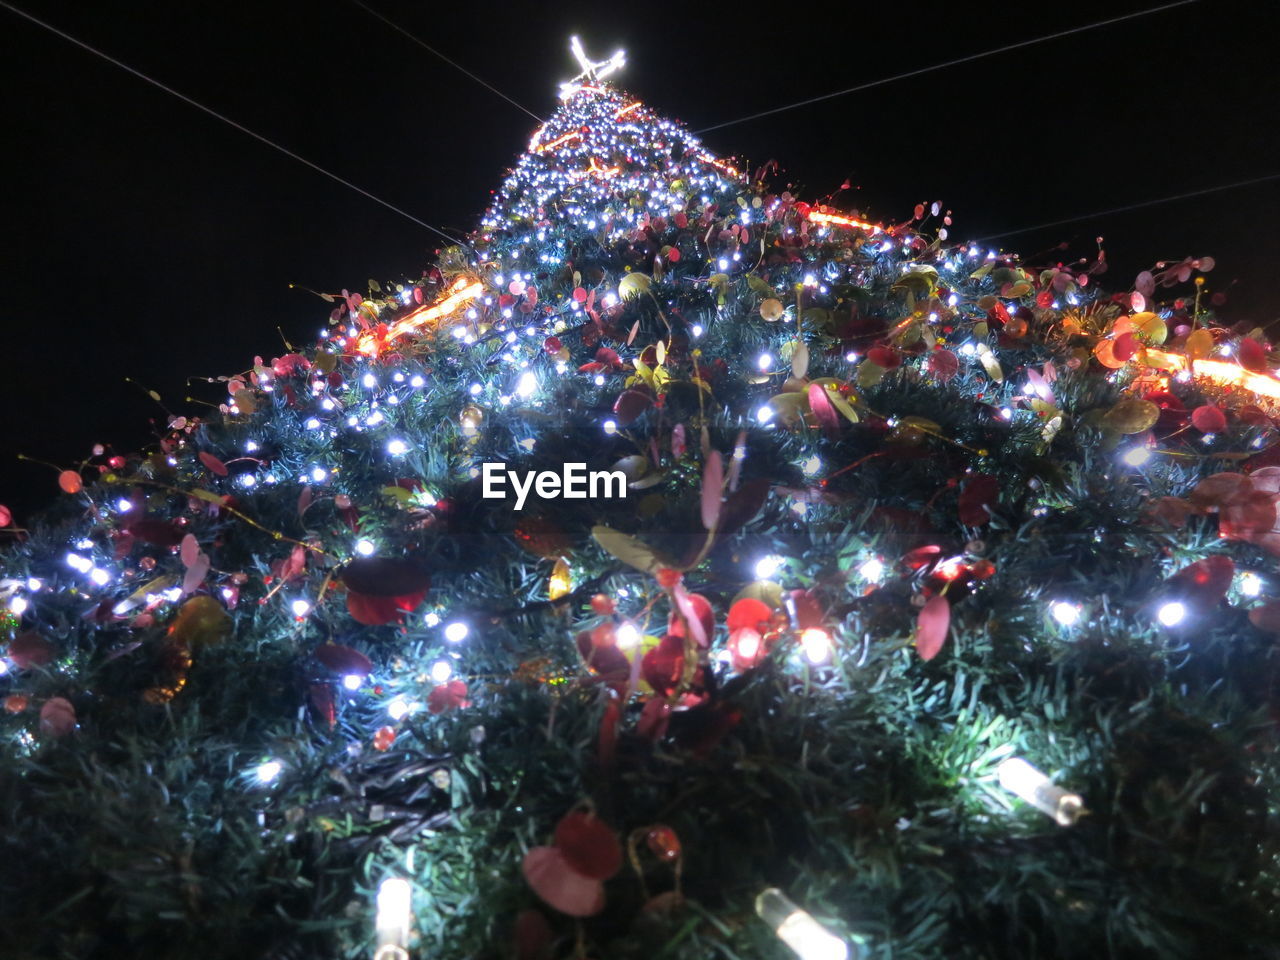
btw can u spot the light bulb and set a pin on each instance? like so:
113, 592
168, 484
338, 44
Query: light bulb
765, 413
527, 385
18, 606
811, 466
816, 645
395, 903
441, 671
365, 548
872, 569
352, 681
764, 362
626, 637
610, 427
398, 708
798, 929
1250, 584
1136, 456
318, 474
766, 567
1065, 613
300, 608
1025, 781
1170, 614
267, 772
456, 632
370, 381
397, 448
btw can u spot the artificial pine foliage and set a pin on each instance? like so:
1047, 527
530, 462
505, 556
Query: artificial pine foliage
897, 510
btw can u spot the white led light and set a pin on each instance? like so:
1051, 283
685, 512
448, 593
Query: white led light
1136, 456
247, 480
627, 637
267, 772
18, 606
764, 362
99, 576
1025, 781
124, 505
766, 567
1170, 614
696, 330
816, 645
300, 608
798, 929
398, 708
79, 563
319, 474
764, 413
441, 671
456, 632
1065, 613
365, 548
475, 389
872, 569
397, 448
416, 380
33, 584
352, 681
250, 446
610, 427
394, 917
369, 380
1250, 584
811, 466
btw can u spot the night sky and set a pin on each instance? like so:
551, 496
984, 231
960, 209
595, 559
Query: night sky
146, 239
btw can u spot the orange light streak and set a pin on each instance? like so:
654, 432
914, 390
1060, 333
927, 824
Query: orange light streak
1218, 371
720, 164
594, 168
573, 135
835, 219
462, 292
625, 110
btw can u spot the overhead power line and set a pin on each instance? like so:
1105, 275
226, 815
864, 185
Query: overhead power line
218, 116
1133, 206
453, 63
950, 63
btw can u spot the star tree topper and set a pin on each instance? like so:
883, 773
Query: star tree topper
592, 70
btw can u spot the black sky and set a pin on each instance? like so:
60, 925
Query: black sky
146, 239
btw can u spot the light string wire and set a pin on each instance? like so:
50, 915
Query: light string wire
218, 116
1133, 206
950, 63
453, 63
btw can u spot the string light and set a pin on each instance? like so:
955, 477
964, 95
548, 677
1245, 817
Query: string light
872, 570
1250, 584
393, 919
268, 771
1136, 456
766, 567
365, 548
1026, 782
798, 929
352, 681
1065, 613
441, 671
626, 637
1172, 613
816, 644
300, 608
456, 632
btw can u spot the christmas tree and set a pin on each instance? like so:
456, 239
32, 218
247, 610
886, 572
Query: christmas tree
678, 568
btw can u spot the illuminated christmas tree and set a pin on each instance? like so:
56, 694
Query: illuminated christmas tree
678, 568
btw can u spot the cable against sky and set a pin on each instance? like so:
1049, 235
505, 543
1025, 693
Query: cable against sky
950, 63
225, 119
453, 63
1133, 206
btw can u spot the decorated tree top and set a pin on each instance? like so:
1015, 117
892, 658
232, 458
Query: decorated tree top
601, 149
